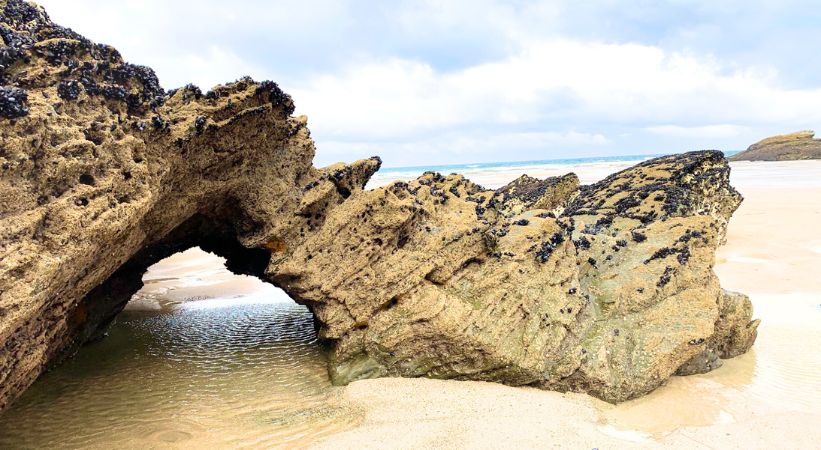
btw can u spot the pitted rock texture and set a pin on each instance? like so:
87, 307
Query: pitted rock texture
103, 173
611, 296
606, 289
787, 147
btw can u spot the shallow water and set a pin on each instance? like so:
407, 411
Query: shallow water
219, 372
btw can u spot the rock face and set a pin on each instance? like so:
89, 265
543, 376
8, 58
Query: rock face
787, 147
441, 278
606, 289
104, 173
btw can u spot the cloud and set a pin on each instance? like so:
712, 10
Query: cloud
421, 81
213, 65
547, 88
707, 131
460, 146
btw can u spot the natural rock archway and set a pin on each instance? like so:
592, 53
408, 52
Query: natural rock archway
606, 289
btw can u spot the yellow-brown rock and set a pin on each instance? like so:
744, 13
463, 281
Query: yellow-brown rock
606, 289
438, 278
786, 147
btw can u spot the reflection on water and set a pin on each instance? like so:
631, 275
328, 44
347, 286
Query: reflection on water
210, 373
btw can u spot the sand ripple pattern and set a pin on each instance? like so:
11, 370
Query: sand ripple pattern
231, 376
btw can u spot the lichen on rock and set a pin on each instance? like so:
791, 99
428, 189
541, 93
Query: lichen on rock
606, 289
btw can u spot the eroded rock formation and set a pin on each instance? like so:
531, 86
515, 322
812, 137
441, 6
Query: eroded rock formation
606, 289
612, 295
786, 147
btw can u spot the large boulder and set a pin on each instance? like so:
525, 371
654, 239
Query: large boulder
441, 278
606, 289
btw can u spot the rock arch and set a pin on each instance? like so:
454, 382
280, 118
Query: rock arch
606, 289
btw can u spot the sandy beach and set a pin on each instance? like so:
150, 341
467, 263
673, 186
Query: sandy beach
767, 398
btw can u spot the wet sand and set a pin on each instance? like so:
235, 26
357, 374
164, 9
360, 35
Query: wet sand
767, 398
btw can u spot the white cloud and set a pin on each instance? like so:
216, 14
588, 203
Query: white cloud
707, 131
420, 81
213, 65
459, 146
549, 86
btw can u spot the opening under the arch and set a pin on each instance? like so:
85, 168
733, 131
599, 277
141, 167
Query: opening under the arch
196, 279
200, 356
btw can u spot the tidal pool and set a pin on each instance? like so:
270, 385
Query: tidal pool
206, 372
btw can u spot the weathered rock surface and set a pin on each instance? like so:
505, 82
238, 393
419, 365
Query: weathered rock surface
439, 278
104, 173
786, 147
606, 289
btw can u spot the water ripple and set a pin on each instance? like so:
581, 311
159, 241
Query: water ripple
243, 375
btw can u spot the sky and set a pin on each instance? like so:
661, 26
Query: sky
462, 81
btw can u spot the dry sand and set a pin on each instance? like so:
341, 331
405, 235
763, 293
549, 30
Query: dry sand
767, 398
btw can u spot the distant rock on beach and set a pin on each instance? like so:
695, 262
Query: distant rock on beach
786, 147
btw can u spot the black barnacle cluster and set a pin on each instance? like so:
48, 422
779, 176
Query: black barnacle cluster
440, 197
430, 177
648, 198
13, 102
115, 80
190, 92
159, 123
582, 243
68, 89
199, 124
17, 15
666, 277
600, 224
691, 234
683, 254
528, 190
276, 96
548, 246
12, 51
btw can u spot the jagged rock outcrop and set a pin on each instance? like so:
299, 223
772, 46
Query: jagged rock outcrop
787, 147
439, 278
606, 289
